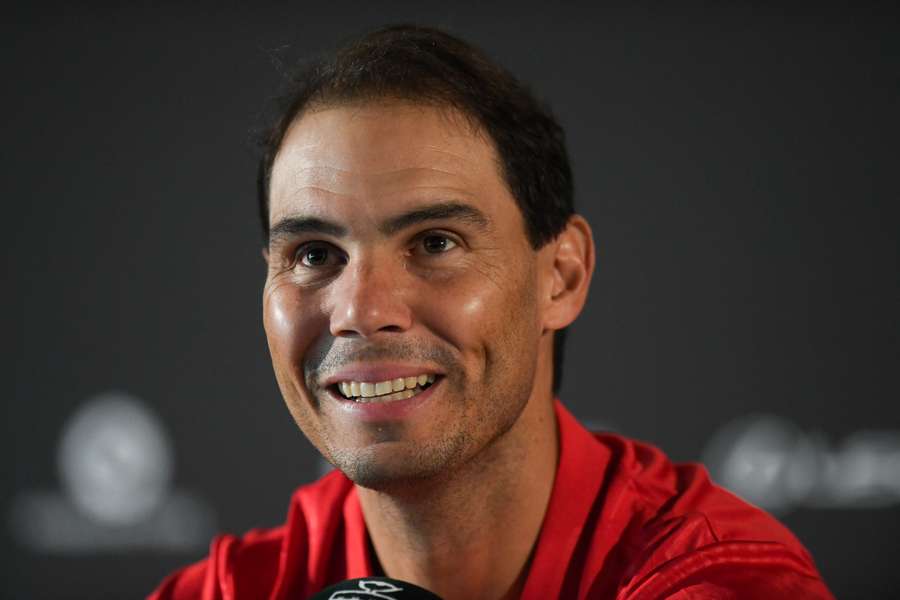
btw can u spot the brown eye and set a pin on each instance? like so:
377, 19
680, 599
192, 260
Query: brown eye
436, 244
318, 255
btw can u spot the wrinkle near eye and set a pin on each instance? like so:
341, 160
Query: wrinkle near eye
279, 262
491, 273
490, 265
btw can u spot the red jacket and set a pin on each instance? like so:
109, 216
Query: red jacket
623, 523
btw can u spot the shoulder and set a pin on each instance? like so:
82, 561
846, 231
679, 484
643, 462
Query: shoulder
726, 571
670, 498
251, 563
690, 538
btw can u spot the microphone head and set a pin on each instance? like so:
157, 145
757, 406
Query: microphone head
375, 588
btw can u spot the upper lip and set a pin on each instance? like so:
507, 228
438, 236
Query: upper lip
375, 372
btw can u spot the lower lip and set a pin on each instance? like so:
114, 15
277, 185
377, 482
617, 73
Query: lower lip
385, 411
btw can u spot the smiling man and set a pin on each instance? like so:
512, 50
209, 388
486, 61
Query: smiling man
423, 257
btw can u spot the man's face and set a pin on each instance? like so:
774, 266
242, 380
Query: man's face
398, 255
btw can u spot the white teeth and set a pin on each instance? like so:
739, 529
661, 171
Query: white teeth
391, 389
401, 395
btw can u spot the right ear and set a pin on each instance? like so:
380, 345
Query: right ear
265, 254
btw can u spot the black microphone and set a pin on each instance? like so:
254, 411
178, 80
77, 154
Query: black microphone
375, 588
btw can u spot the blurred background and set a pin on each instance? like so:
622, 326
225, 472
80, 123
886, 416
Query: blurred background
739, 165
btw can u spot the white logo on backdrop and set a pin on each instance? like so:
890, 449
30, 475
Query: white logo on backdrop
115, 462
772, 463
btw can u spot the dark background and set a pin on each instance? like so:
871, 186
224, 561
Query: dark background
739, 165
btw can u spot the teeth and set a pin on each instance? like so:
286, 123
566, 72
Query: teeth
392, 389
401, 395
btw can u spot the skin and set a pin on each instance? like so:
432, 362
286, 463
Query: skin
460, 293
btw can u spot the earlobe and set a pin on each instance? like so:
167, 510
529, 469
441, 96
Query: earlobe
572, 269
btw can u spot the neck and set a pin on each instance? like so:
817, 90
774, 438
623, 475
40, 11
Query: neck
471, 533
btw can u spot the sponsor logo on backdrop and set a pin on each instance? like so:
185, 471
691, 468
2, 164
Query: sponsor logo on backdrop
773, 463
115, 462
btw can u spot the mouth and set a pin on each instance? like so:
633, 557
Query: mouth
391, 390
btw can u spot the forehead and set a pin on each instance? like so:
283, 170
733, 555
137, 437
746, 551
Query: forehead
384, 154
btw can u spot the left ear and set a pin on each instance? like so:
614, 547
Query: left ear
566, 271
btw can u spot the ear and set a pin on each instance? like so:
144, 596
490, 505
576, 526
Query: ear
567, 271
265, 254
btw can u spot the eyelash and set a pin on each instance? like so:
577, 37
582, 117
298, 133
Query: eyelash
419, 241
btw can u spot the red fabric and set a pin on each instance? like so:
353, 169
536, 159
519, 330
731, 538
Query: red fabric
623, 523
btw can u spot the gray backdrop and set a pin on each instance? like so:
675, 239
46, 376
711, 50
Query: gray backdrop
738, 165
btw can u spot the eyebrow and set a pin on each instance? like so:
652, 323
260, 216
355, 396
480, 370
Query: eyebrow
432, 212
293, 226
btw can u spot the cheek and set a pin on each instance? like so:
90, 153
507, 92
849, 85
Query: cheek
478, 312
456, 311
473, 307
290, 324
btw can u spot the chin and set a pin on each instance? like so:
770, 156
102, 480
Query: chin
393, 466
382, 480
386, 477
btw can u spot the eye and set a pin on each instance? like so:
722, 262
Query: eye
436, 243
318, 254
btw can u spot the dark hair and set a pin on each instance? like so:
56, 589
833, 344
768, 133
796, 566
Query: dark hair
426, 65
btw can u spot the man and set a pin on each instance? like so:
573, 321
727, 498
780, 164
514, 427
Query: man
423, 259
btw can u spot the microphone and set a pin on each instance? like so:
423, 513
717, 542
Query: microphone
375, 588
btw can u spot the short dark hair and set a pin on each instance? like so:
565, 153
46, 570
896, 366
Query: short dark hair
426, 65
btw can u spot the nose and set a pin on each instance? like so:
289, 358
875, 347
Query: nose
368, 298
